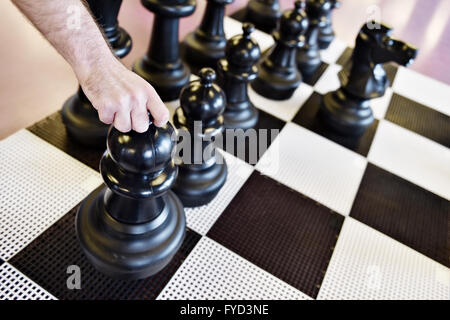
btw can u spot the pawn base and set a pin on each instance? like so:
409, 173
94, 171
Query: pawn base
167, 80
82, 122
200, 53
308, 62
344, 114
244, 116
197, 186
129, 251
276, 86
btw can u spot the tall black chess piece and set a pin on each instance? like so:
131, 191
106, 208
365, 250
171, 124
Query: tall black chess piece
347, 110
234, 73
200, 176
78, 114
264, 14
206, 45
308, 57
162, 66
278, 74
326, 34
132, 227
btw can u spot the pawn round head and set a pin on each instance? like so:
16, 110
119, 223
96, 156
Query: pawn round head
242, 50
202, 99
146, 152
293, 23
317, 10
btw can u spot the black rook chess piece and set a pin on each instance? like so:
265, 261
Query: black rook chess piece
162, 66
264, 14
278, 74
308, 57
132, 227
206, 45
347, 110
234, 74
200, 121
326, 34
78, 114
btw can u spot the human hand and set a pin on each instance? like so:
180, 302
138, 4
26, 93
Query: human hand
122, 97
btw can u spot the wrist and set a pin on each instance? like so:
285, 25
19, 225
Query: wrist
86, 68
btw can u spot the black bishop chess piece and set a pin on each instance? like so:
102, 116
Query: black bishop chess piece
206, 45
132, 227
162, 66
199, 120
326, 34
78, 114
264, 14
278, 74
347, 110
308, 57
234, 73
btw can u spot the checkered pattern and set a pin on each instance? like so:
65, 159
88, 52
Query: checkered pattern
320, 216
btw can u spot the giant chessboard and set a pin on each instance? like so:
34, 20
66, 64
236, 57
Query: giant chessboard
319, 216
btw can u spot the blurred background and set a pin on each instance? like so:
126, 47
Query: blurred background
35, 81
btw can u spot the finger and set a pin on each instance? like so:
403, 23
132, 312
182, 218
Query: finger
139, 118
157, 108
122, 120
106, 115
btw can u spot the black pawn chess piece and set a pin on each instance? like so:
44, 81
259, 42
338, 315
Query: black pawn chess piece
308, 57
264, 14
326, 34
200, 176
162, 66
78, 114
347, 110
234, 73
278, 74
132, 227
206, 45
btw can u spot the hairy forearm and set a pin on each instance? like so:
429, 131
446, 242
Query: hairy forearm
69, 27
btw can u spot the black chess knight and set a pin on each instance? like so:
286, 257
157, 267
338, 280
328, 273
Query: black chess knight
264, 14
234, 73
326, 34
206, 45
78, 114
278, 74
132, 227
162, 66
347, 110
200, 176
308, 57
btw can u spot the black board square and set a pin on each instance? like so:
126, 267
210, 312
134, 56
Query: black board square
281, 231
53, 130
312, 78
266, 123
308, 118
46, 259
402, 210
419, 118
239, 15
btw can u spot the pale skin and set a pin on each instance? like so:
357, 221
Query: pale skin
121, 97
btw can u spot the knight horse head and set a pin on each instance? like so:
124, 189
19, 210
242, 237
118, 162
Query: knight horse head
364, 75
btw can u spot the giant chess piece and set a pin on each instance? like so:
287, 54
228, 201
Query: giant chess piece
78, 114
264, 14
278, 74
234, 74
162, 66
206, 46
347, 110
132, 227
200, 121
326, 34
308, 57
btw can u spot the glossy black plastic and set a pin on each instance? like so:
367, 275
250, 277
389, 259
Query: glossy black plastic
132, 227
162, 66
264, 14
278, 74
363, 78
78, 114
206, 45
200, 120
326, 34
